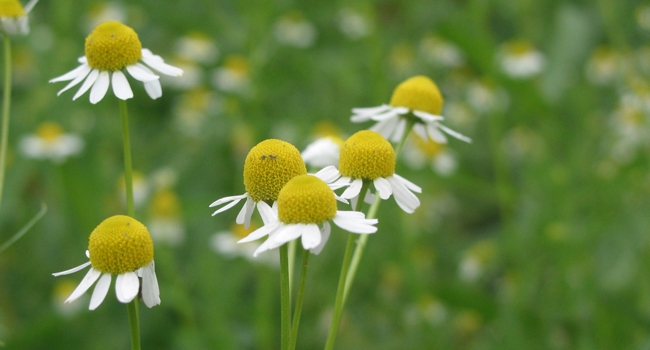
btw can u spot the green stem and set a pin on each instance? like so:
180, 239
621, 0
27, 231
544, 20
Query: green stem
133, 322
340, 293
132, 307
128, 167
6, 105
299, 299
285, 299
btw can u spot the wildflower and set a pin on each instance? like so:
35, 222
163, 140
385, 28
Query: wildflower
225, 244
192, 108
478, 260
141, 188
50, 142
102, 12
486, 97
604, 66
120, 246
323, 152
111, 48
421, 152
13, 16
294, 30
304, 203
353, 24
417, 98
367, 156
233, 75
441, 52
165, 224
520, 59
197, 47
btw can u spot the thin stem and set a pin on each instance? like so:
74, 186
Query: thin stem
285, 299
6, 106
134, 323
340, 293
301, 293
128, 167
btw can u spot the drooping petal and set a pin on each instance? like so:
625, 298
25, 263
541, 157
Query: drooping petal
246, 212
101, 289
85, 283
82, 74
325, 235
72, 270
311, 236
150, 290
371, 110
404, 198
127, 286
386, 127
90, 80
427, 117
287, 233
353, 222
156, 62
84, 69
421, 130
153, 89
353, 190
100, 87
121, 87
435, 134
455, 134
30, 5
141, 73
389, 114
396, 136
411, 186
261, 232
232, 199
328, 174
383, 187
267, 213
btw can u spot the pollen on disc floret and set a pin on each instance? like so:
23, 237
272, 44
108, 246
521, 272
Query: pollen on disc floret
120, 244
112, 46
418, 93
11, 8
367, 155
306, 199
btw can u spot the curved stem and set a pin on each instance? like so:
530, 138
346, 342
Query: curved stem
285, 299
340, 293
6, 105
301, 293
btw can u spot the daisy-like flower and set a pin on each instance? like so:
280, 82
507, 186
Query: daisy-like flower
323, 152
267, 168
111, 48
233, 75
520, 59
13, 16
51, 142
418, 99
166, 223
304, 203
368, 156
294, 30
422, 152
119, 246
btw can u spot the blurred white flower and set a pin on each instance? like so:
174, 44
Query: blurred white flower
233, 75
485, 97
197, 47
192, 108
225, 244
520, 59
642, 14
353, 24
62, 289
294, 30
603, 66
478, 260
192, 75
102, 12
440, 52
322, 152
419, 153
141, 189
50, 142
14, 18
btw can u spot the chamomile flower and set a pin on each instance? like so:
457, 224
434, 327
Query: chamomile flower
111, 48
294, 29
418, 99
51, 142
304, 203
233, 76
368, 156
13, 16
323, 152
119, 246
166, 223
420, 152
520, 59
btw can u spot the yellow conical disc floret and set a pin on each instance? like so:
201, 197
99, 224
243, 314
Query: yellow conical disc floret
120, 244
367, 155
49, 131
112, 46
269, 165
306, 199
11, 8
418, 93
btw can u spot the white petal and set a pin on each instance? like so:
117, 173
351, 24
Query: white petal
311, 236
384, 116
371, 110
127, 286
455, 134
360, 118
287, 233
90, 80
421, 130
404, 198
85, 283
101, 289
261, 232
435, 134
153, 89
100, 87
399, 130
427, 117
353, 190
328, 174
353, 222
72, 270
228, 199
268, 214
246, 212
150, 290
383, 187
84, 72
157, 63
386, 127
30, 5
411, 186
141, 73
325, 235
73, 74
121, 87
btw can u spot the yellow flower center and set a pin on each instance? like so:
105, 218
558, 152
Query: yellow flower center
112, 46
367, 155
519, 48
240, 231
165, 204
418, 93
49, 131
306, 199
120, 244
269, 166
238, 64
11, 8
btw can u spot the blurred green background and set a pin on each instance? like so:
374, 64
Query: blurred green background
535, 236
